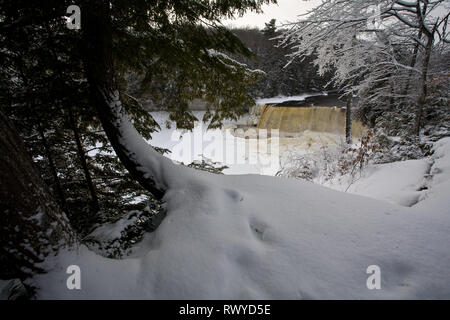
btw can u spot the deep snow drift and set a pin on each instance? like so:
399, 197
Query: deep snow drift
401, 183
259, 237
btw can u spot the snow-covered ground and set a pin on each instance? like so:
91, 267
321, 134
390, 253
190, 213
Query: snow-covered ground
397, 182
261, 237
403, 183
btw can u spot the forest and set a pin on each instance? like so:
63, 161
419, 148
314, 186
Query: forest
91, 91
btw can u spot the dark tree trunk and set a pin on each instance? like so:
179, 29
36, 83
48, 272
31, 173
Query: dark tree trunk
97, 41
52, 166
82, 156
412, 64
430, 34
416, 47
348, 120
423, 85
31, 224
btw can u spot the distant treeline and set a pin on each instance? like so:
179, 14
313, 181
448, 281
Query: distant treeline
163, 91
298, 77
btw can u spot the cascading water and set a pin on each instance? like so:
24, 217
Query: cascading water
301, 119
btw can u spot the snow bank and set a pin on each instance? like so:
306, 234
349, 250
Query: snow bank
423, 183
259, 237
436, 197
281, 98
397, 182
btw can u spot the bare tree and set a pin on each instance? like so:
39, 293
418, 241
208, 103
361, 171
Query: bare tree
377, 47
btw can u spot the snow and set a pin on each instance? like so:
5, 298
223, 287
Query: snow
422, 183
110, 231
397, 182
282, 98
436, 197
241, 155
231, 63
261, 237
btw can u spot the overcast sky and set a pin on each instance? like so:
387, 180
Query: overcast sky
284, 11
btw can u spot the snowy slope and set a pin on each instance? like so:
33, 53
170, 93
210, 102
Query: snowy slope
436, 199
423, 183
259, 237
397, 182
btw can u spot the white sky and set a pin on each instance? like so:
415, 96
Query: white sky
284, 11
287, 11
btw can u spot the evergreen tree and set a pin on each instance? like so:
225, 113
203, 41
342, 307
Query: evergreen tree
31, 226
55, 81
282, 76
270, 28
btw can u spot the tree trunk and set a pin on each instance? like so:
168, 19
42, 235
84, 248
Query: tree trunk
412, 64
424, 74
82, 156
417, 46
348, 120
423, 86
97, 41
31, 224
54, 172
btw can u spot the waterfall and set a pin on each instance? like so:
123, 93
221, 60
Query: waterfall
299, 119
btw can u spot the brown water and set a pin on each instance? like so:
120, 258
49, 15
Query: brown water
300, 119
